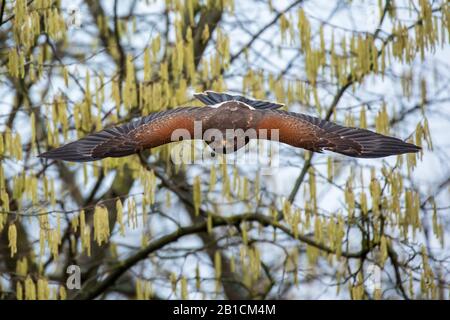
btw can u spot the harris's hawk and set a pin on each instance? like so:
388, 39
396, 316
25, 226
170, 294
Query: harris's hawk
247, 118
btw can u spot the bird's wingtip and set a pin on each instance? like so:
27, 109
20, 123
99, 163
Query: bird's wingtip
43, 155
68, 152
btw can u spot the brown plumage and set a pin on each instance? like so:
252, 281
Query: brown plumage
250, 119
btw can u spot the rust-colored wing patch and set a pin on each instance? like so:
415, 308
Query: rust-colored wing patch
303, 131
148, 132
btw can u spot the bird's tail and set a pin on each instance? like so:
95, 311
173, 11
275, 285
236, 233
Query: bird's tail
211, 98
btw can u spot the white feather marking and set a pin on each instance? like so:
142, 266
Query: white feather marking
247, 105
217, 105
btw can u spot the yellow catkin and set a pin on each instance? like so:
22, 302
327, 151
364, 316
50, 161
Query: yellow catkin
148, 290
101, 225
350, 198
218, 268
30, 289
139, 289
147, 65
184, 289
132, 214
209, 223
86, 241
62, 293
33, 130
119, 215
375, 192
197, 195
197, 278
232, 264
129, 92
82, 218
330, 169
363, 203
12, 239
287, 209
43, 290
168, 201
22, 267
151, 186
312, 188
74, 224
363, 118
205, 33
54, 242
244, 233
383, 250
19, 291
85, 234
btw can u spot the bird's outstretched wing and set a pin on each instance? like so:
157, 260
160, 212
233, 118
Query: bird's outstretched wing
147, 132
303, 131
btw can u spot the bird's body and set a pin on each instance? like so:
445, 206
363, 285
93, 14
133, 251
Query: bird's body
226, 124
234, 123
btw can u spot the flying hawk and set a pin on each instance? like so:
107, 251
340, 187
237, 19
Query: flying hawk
224, 112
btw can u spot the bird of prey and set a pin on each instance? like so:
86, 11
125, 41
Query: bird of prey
224, 112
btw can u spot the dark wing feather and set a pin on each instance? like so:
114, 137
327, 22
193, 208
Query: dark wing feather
211, 98
311, 133
147, 132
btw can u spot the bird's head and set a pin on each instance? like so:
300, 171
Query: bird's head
234, 106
